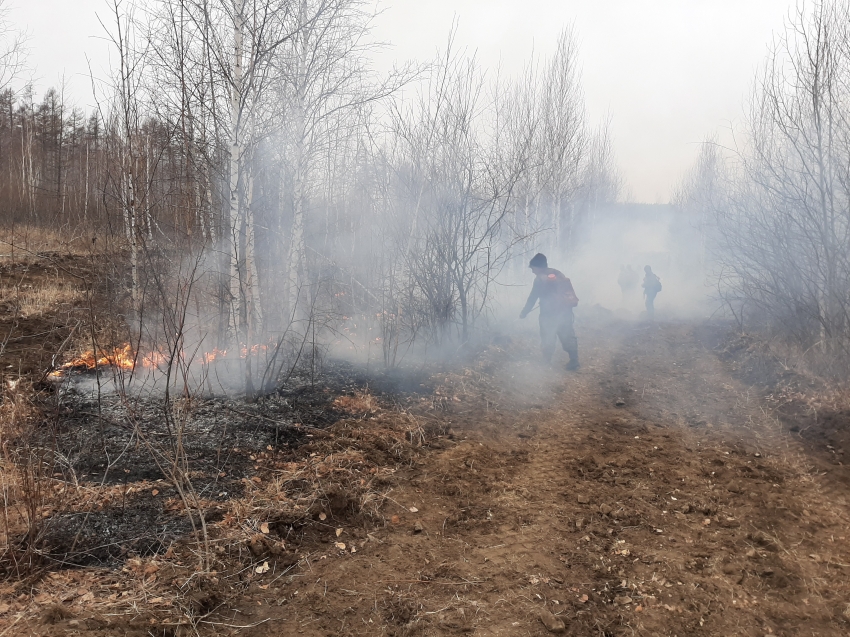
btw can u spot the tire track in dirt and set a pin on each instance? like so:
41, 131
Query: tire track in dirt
682, 511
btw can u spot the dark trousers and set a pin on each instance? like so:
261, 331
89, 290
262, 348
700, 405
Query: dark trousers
558, 326
650, 302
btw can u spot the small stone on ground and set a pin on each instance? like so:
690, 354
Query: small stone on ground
553, 624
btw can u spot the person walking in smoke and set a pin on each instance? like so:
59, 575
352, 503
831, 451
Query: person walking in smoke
557, 300
651, 287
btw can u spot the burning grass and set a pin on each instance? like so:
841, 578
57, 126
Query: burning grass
124, 358
119, 358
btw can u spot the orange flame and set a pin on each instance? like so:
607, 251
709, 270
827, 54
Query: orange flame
122, 357
209, 357
125, 358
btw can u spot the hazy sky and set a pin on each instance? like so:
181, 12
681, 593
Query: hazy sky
667, 72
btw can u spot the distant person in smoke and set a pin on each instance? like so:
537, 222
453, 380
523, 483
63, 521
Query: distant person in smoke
557, 300
627, 281
651, 287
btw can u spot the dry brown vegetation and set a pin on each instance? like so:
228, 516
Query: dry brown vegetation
683, 482
181, 454
31, 301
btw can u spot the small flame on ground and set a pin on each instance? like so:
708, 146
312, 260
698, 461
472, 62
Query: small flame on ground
124, 358
120, 357
209, 357
217, 353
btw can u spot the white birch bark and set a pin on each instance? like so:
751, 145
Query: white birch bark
254, 309
132, 231
148, 215
234, 216
296, 271
86, 200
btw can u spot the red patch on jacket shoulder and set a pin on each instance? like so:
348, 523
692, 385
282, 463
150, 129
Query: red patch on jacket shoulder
552, 276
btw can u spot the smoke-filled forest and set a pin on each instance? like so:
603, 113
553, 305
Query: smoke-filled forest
296, 340
261, 182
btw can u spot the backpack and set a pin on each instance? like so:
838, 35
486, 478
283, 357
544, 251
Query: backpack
656, 284
564, 291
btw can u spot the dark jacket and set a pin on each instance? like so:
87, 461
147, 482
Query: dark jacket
651, 283
555, 292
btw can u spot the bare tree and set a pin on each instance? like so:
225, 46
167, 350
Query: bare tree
780, 221
13, 49
127, 87
570, 169
224, 51
325, 84
460, 179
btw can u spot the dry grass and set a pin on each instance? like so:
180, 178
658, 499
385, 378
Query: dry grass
359, 403
24, 478
340, 479
30, 301
20, 242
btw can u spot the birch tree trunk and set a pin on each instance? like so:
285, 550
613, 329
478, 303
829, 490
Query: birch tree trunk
254, 307
296, 260
297, 253
132, 231
86, 197
148, 215
234, 216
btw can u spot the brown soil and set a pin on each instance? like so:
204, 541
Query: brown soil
668, 488
44, 310
686, 510
652, 493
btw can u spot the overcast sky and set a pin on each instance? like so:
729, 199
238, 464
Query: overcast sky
667, 72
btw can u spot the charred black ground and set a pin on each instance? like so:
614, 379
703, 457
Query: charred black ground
678, 484
102, 442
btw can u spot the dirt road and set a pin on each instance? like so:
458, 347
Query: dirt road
650, 494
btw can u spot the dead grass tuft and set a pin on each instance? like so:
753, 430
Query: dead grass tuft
359, 403
25, 468
19, 243
30, 301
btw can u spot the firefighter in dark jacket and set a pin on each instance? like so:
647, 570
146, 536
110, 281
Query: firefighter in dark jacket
651, 287
557, 300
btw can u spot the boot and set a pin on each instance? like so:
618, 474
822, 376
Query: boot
573, 365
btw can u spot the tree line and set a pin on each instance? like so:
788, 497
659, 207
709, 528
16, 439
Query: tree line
262, 180
775, 210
